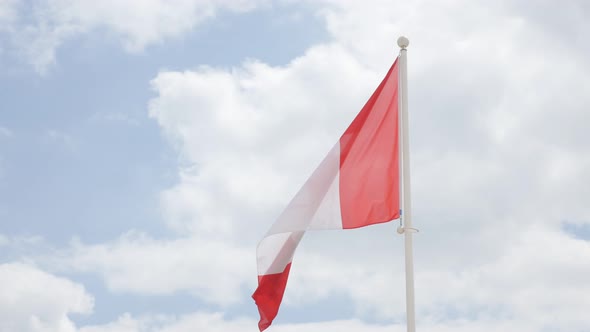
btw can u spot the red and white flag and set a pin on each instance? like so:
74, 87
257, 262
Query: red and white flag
357, 184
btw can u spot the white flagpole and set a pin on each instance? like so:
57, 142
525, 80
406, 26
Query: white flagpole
407, 229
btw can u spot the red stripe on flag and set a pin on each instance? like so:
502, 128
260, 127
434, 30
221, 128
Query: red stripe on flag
369, 159
269, 294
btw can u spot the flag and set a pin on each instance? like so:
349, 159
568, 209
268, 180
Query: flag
357, 184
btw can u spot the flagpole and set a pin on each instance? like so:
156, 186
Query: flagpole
407, 229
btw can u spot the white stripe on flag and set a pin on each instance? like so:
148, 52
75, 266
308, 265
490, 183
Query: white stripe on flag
316, 206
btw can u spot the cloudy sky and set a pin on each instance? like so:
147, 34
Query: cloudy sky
147, 145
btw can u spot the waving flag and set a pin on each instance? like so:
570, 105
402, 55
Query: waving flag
357, 184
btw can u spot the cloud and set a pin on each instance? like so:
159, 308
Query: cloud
32, 300
497, 157
135, 23
136, 263
8, 12
249, 137
520, 285
216, 322
125, 323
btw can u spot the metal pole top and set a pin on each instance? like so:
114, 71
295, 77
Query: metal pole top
403, 42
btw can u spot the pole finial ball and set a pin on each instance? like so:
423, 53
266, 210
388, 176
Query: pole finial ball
403, 42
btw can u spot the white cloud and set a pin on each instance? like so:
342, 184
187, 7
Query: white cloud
212, 271
125, 323
252, 135
498, 158
136, 23
216, 322
526, 284
8, 12
32, 300
518, 287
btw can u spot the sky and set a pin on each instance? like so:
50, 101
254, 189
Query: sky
147, 145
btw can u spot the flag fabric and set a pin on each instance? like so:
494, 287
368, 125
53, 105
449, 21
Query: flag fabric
357, 184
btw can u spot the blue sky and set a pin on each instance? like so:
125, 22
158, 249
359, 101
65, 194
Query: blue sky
83, 152
82, 132
146, 146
